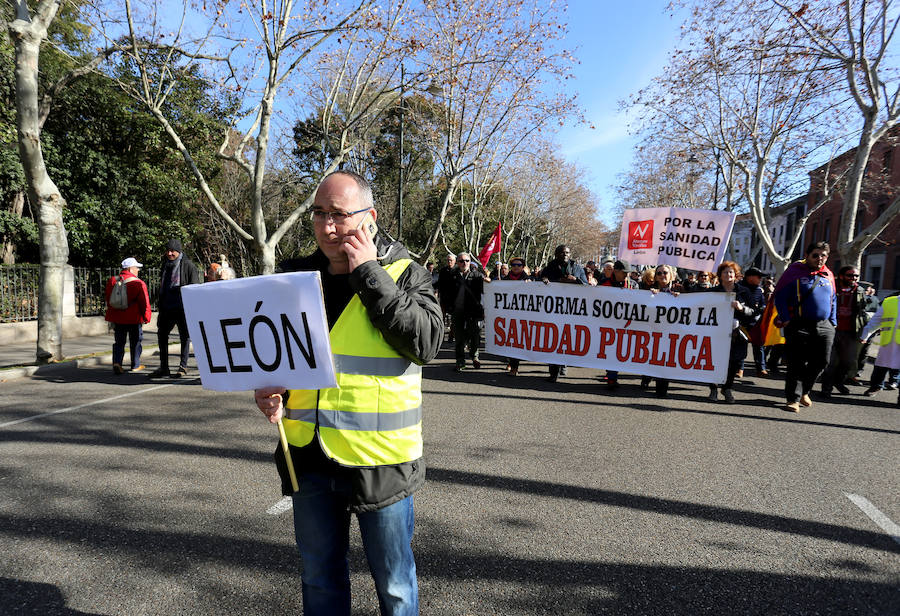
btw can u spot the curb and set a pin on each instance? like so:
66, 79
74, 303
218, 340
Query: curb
101, 358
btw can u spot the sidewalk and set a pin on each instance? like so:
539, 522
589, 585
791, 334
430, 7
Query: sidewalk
17, 359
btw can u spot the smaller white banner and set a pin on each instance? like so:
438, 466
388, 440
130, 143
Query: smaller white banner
692, 239
263, 331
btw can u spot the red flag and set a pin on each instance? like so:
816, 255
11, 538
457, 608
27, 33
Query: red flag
492, 246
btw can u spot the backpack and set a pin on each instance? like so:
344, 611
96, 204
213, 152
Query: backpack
118, 298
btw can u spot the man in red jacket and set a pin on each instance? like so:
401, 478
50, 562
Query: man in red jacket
128, 321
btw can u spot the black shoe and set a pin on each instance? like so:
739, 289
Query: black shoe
117, 368
612, 385
891, 386
826, 393
871, 391
476, 364
459, 368
552, 378
714, 393
842, 389
160, 373
729, 397
563, 371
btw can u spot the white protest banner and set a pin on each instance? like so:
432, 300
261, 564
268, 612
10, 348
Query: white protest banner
685, 337
264, 331
688, 238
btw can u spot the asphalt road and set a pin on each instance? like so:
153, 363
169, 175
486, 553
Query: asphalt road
152, 498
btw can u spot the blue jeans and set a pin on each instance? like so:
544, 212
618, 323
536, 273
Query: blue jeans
322, 526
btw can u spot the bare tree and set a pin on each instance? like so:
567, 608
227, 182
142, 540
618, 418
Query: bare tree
288, 37
490, 60
856, 37
743, 101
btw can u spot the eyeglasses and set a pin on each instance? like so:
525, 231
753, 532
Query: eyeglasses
464, 260
516, 264
337, 218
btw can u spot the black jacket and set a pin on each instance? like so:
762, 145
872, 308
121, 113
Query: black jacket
407, 314
555, 271
752, 310
467, 290
188, 273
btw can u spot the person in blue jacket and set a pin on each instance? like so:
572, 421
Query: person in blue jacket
807, 311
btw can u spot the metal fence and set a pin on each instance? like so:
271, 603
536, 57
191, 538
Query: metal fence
19, 290
19, 293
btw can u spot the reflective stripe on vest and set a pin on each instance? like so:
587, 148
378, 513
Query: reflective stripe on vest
889, 330
348, 420
374, 416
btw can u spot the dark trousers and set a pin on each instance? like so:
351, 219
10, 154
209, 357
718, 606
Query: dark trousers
662, 385
879, 373
165, 322
807, 348
776, 355
467, 332
759, 358
736, 356
135, 335
844, 360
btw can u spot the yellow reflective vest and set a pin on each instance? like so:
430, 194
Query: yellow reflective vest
889, 330
374, 416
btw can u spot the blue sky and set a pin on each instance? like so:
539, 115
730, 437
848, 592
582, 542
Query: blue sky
621, 46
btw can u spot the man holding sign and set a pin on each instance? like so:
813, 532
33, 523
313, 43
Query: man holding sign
357, 448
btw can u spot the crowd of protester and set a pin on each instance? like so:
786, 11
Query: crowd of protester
809, 326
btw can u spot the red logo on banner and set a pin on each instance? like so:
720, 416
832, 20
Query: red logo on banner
640, 234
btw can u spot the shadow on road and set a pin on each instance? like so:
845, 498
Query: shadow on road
21, 597
724, 515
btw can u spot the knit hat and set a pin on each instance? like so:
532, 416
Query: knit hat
753, 271
175, 245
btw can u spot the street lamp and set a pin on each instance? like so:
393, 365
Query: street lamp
692, 174
400, 161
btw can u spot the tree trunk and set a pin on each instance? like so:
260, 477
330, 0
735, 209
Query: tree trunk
54, 247
428, 250
266, 257
8, 250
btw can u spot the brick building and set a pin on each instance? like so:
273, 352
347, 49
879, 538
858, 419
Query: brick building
881, 260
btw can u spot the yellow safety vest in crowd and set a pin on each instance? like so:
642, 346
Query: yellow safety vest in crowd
889, 330
374, 416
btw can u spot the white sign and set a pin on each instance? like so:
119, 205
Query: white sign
264, 331
687, 337
688, 238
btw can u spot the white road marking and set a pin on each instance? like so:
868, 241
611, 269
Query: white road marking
886, 524
81, 406
282, 506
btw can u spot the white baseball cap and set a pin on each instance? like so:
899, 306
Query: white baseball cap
130, 262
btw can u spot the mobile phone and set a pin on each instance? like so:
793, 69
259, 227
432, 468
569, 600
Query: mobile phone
369, 223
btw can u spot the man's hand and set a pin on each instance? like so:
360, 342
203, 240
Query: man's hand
269, 401
359, 247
